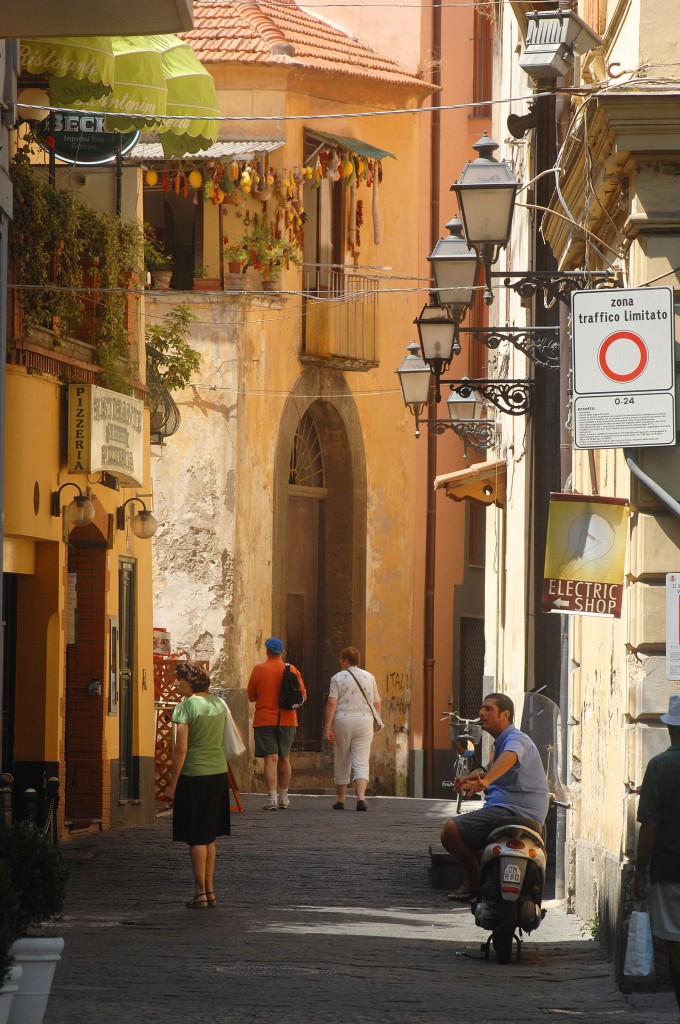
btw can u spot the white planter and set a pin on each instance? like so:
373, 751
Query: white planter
38, 958
7, 993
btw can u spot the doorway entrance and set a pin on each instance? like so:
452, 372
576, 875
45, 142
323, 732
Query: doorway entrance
319, 547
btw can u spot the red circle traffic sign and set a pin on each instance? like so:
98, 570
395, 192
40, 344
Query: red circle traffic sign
604, 352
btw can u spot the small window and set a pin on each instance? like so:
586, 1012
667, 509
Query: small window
483, 58
306, 457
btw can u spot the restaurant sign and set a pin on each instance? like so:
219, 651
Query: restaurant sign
80, 138
105, 433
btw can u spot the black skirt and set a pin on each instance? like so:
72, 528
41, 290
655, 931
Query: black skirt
201, 809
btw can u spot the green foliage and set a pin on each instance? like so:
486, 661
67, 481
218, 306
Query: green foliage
201, 271
179, 360
37, 873
56, 240
9, 929
154, 256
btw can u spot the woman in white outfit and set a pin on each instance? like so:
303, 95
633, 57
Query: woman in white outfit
349, 725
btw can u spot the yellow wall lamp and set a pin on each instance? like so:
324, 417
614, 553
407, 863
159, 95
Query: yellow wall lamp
143, 523
79, 512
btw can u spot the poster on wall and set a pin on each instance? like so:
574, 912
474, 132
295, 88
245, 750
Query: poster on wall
584, 555
673, 625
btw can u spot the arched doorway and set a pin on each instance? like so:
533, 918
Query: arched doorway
319, 565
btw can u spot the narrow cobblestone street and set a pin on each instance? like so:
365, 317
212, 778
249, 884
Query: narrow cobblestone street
323, 916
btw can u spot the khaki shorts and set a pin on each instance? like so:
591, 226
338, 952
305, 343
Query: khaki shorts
273, 739
663, 900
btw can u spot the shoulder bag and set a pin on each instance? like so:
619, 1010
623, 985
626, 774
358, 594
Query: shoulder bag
378, 723
232, 744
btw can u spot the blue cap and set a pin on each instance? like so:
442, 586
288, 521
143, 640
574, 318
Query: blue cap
274, 645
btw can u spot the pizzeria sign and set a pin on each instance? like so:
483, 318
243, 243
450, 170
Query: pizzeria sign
105, 433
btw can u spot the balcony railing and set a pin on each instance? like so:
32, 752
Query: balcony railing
340, 318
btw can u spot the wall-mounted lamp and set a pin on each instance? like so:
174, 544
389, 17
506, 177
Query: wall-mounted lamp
79, 512
486, 193
32, 105
553, 37
143, 523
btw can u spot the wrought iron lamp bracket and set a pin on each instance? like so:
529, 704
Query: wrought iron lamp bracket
555, 284
477, 434
540, 344
513, 397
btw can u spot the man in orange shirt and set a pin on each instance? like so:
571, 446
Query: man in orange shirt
274, 727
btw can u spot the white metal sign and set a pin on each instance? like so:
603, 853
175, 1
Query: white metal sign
673, 625
623, 366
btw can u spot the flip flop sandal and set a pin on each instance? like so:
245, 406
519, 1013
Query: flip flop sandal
462, 896
199, 902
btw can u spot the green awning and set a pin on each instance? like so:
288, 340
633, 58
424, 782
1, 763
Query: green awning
160, 80
83, 64
354, 146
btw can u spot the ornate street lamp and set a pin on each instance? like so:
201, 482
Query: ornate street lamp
143, 523
456, 270
438, 333
415, 377
486, 193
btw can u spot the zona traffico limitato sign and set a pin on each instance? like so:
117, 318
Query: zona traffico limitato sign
624, 370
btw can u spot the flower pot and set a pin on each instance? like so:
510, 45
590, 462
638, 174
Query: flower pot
160, 279
207, 284
8, 991
273, 282
235, 267
38, 958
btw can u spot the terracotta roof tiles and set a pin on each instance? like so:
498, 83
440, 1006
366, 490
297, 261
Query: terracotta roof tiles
279, 32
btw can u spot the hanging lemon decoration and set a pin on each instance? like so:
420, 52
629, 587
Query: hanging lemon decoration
195, 179
151, 177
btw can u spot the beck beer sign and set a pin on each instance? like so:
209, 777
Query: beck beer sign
585, 554
77, 137
105, 433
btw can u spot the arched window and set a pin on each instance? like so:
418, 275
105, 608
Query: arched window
306, 457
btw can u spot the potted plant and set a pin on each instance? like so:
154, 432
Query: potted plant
237, 254
38, 876
204, 283
156, 261
9, 932
270, 255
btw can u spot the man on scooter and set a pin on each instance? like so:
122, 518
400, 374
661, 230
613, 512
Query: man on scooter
514, 787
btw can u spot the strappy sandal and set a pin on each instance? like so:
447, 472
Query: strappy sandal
199, 902
211, 898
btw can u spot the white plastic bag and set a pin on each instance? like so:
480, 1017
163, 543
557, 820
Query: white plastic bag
639, 961
232, 743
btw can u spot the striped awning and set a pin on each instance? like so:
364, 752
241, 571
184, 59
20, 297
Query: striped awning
151, 82
223, 149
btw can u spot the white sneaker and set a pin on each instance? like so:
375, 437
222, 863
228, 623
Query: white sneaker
270, 805
284, 803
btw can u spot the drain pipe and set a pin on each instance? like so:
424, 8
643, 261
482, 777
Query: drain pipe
657, 490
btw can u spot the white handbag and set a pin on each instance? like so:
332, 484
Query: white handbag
232, 743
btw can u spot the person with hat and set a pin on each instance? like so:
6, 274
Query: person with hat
274, 727
659, 842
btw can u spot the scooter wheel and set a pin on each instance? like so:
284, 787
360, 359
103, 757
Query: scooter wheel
503, 934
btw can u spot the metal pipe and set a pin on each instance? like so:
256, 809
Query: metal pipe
630, 455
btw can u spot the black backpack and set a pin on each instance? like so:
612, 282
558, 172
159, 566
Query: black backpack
290, 694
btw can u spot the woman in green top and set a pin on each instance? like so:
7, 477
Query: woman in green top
199, 783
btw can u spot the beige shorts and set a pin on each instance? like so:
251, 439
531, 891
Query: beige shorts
663, 900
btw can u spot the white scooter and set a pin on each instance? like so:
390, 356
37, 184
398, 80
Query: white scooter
513, 862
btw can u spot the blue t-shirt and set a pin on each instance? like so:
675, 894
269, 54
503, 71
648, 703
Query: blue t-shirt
523, 789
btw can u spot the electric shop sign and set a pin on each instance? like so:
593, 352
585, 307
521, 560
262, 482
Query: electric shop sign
624, 370
80, 138
105, 433
584, 555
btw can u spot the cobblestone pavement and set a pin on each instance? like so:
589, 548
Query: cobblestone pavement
323, 916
